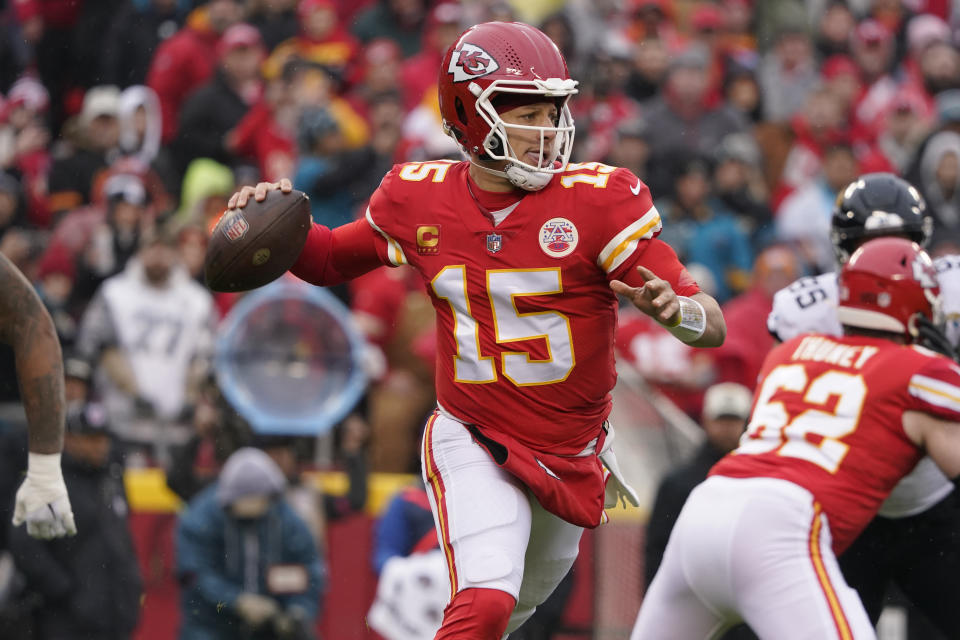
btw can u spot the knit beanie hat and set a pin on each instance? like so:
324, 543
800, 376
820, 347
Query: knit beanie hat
249, 472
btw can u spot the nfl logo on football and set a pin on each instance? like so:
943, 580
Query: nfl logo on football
494, 242
235, 228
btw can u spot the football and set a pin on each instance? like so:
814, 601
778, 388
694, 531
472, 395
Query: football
255, 245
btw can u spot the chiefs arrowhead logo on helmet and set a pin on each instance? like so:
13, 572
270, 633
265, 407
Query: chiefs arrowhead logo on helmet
470, 62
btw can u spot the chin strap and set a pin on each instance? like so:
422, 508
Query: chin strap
519, 177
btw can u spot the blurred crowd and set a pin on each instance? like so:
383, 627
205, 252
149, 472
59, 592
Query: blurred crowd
126, 124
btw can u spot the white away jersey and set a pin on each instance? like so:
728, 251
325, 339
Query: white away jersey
948, 274
809, 305
160, 331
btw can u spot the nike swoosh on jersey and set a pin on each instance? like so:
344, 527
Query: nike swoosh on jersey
635, 190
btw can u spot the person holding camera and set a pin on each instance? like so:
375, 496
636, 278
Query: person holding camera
247, 564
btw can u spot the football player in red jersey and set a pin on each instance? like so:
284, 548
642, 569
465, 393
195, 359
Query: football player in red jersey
925, 504
836, 422
522, 254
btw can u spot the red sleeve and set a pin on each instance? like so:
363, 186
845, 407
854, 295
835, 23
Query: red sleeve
629, 220
660, 258
250, 126
332, 257
935, 388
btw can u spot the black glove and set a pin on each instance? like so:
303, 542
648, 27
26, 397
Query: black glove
932, 337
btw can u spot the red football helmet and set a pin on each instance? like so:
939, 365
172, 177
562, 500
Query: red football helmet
496, 58
885, 284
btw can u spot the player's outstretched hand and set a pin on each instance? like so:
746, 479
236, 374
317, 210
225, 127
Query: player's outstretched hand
932, 337
655, 298
42, 501
239, 199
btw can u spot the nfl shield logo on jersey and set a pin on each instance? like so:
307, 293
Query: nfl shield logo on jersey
235, 228
558, 237
494, 242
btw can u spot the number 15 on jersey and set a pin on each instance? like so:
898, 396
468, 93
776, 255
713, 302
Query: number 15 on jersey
503, 287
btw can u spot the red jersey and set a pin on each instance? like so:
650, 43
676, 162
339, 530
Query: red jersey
525, 315
828, 416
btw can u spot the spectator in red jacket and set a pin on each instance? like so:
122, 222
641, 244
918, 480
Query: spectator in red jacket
266, 133
211, 112
419, 73
188, 59
322, 40
748, 341
379, 74
817, 127
874, 49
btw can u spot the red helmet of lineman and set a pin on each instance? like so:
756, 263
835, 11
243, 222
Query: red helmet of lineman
494, 67
885, 284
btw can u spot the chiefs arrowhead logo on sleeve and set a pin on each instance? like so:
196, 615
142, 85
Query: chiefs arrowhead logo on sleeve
470, 62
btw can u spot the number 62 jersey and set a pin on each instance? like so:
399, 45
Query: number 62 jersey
525, 315
828, 416
809, 305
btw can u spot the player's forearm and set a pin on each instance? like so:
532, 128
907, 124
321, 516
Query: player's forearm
716, 328
313, 264
334, 256
26, 326
940, 438
40, 374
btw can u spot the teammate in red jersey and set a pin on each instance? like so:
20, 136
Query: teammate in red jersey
522, 255
836, 422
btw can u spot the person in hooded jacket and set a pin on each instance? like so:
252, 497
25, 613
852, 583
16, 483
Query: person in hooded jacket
940, 183
247, 564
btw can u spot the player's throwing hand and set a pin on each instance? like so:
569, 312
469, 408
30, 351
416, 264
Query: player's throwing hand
239, 199
655, 298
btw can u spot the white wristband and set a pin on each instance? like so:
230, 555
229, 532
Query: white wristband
693, 320
43, 468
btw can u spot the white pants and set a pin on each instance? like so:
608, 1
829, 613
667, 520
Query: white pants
755, 550
493, 532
